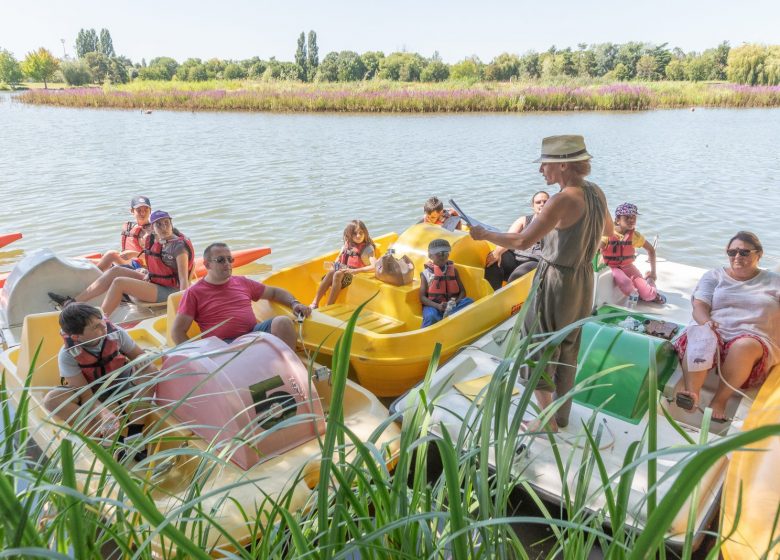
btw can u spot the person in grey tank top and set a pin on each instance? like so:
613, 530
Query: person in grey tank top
571, 223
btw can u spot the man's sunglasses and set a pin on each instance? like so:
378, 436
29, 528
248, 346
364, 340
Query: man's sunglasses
222, 260
741, 252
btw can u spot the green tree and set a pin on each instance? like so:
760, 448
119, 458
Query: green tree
721, 54
117, 71
313, 57
646, 68
105, 44
628, 55
747, 65
621, 72
402, 66
372, 60
503, 68
162, 68
564, 63
98, 64
40, 65
86, 42
328, 70
301, 57
467, 69
183, 70
662, 56
257, 69
530, 66
699, 68
197, 73
76, 73
10, 70
676, 70
435, 71
234, 71
215, 67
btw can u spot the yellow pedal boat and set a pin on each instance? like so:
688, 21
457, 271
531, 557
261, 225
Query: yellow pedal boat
390, 352
288, 475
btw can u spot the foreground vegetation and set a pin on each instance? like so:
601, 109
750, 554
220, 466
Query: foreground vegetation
361, 507
382, 96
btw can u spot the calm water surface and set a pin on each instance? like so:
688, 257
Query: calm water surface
292, 181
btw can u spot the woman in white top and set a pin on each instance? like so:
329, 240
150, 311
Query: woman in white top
741, 304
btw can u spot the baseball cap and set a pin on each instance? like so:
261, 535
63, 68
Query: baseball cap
158, 215
439, 246
140, 201
627, 209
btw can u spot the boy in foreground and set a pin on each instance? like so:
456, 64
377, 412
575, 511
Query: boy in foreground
441, 290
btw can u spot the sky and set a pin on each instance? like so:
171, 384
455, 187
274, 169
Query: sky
239, 29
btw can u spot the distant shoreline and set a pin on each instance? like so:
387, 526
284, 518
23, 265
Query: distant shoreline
392, 97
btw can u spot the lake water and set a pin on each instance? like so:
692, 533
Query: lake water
292, 181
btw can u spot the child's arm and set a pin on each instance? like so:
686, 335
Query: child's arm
462, 292
651, 257
368, 268
427, 302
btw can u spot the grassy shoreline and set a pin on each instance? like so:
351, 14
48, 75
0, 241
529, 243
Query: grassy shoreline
394, 97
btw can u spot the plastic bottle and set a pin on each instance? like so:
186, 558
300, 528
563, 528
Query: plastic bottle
450, 307
633, 299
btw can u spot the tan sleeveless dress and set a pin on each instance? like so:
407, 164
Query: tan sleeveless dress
565, 292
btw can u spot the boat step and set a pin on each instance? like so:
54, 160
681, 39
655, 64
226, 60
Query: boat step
369, 320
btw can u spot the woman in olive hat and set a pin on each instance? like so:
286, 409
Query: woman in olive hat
571, 223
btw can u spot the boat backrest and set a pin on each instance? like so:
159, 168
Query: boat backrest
465, 251
172, 310
41, 329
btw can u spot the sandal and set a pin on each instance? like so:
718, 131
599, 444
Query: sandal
61, 301
660, 298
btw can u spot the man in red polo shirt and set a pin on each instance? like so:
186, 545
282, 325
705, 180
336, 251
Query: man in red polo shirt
223, 302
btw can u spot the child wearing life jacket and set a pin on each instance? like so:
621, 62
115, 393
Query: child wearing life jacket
434, 214
94, 349
357, 255
132, 238
619, 253
439, 284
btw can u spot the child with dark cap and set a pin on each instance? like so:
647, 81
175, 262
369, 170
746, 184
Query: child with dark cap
441, 290
132, 238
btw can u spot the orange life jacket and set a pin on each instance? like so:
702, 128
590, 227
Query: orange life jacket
159, 272
441, 286
351, 256
107, 360
619, 250
443, 217
133, 236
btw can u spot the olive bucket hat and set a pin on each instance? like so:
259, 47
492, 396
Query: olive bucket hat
559, 149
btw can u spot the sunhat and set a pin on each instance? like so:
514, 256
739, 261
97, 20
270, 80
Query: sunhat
627, 209
159, 215
439, 246
559, 149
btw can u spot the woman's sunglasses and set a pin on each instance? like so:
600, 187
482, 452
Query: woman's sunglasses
222, 260
740, 252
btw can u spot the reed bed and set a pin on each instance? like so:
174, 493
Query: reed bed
364, 506
392, 97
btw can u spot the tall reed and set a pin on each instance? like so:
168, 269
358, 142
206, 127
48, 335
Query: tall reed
77, 498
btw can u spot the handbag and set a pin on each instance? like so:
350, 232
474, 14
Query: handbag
397, 272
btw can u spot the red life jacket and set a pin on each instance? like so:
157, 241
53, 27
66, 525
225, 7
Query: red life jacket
619, 250
133, 235
159, 272
351, 256
442, 286
443, 217
96, 366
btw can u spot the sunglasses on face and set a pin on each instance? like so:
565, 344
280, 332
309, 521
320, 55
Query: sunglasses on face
223, 260
740, 252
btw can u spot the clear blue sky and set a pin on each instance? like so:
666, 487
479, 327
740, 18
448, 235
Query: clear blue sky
236, 29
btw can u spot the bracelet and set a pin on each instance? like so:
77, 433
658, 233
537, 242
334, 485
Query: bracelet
293, 302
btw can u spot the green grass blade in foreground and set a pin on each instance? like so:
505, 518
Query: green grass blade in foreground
74, 508
656, 525
333, 432
142, 503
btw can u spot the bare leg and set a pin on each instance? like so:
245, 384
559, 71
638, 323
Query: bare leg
102, 284
691, 382
335, 287
283, 328
109, 259
544, 399
61, 401
141, 289
322, 288
742, 356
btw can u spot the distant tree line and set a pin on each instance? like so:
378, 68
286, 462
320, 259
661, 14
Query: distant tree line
98, 63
